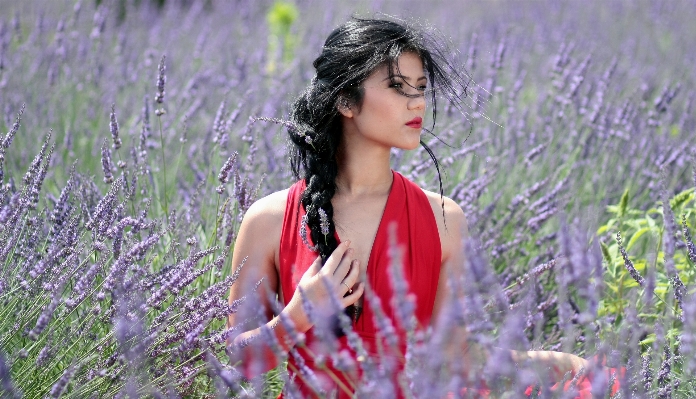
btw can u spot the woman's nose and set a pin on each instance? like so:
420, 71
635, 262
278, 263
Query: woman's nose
417, 102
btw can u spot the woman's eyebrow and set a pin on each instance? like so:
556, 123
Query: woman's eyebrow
403, 77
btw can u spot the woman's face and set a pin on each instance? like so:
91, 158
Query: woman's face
393, 105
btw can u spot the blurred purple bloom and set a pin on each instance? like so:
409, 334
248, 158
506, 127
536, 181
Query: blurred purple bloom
113, 128
161, 80
627, 262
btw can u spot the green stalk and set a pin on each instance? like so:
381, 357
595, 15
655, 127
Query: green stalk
164, 170
217, 221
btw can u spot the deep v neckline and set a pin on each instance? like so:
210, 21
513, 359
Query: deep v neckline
380, 226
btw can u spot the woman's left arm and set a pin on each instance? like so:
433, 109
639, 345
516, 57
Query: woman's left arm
453, 234
453, 230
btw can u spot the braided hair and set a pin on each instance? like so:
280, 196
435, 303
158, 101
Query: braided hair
349, 55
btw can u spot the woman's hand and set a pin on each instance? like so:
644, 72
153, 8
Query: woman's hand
559, 362
340, 272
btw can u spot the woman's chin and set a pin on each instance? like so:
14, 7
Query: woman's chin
410, 146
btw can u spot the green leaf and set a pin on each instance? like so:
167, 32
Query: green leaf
606, 227
605, 253
682, 198
613, 287
635, 237
648, 340
623, 204
651, 222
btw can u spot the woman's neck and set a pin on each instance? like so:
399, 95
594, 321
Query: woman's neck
363, 170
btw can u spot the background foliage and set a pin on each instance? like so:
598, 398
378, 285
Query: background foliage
116, 257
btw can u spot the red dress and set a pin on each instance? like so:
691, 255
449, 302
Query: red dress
417, 235
408, 207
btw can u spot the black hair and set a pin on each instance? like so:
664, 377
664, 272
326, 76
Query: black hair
349, 55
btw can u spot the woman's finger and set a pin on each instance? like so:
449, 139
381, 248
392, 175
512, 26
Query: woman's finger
335, 258
353, 298
314, 268
353, 275
344, 266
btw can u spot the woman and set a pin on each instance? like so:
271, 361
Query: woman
328, 234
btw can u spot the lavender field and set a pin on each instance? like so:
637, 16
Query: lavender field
131, 147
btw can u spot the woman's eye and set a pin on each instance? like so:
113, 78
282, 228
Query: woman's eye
396, 85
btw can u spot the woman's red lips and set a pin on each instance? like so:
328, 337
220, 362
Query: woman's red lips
415, 122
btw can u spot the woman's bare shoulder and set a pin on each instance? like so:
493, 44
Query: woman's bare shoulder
259, 234
453, 226
269, 209
452, 210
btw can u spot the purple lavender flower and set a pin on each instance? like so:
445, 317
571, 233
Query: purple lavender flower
664, 374
180, 277
45, 317
81, 289
107, 165
524, 197
303, 233
62, 208
219, 122
270, 340
7, 210
628, 264
102, 216
113, 128
535, 272
144, 130
35, 187
669, 248
33, 170
383, 323
55, 252
58, 388
120, 266
294, 337
354, 341
224, 175
7, 140
690, 247
44, 354
550, 196
7, 385
307, 375
533, 153
230, 377
192, 335
161, 80
323, 223
290, 389
402, 302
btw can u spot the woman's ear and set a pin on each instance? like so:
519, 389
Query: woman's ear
344, 107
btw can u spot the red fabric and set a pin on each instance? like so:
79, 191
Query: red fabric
417, 234
418, 237
584, 384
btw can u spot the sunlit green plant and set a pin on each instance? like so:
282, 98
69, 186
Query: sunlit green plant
635, 239
281, 41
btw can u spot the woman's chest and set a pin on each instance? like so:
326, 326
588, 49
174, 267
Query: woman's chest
359, 222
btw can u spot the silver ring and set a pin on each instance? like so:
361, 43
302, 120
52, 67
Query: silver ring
350, 290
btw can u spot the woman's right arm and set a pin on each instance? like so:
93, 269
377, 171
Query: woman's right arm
257, 241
